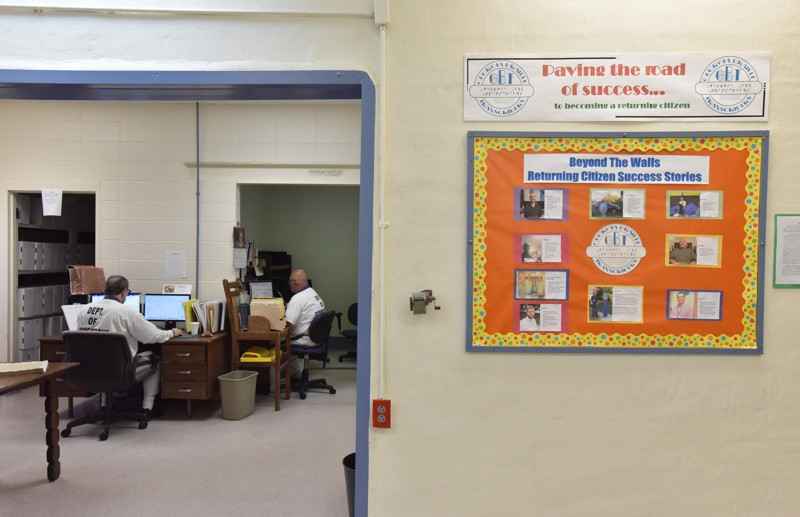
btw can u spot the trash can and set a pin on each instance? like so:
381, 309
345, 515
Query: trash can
238, 390
349, 463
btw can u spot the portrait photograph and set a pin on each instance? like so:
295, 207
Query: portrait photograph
530, 317
600, 303
685, 205
531, 203
682, 250
682, 305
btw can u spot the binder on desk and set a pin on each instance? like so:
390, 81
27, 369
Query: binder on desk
188, 312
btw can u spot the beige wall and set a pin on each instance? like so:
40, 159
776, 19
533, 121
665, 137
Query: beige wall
479, 435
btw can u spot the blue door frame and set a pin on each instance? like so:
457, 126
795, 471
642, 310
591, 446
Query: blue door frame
222, 86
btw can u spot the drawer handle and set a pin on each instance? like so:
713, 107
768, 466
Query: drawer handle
184, 354
185, 372
61, 353
184, 390
59, 379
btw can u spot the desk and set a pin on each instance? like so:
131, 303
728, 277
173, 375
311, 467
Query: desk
18, 381
189, 367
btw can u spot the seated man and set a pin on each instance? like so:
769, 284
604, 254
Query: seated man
112, 315
302, 307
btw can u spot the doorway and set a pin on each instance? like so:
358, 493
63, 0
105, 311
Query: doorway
241, 86
42, 248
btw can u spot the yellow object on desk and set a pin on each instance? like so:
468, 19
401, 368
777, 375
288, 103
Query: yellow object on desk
258, 354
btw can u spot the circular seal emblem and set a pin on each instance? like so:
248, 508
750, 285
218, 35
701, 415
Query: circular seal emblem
616, 249
501, 88
728, 85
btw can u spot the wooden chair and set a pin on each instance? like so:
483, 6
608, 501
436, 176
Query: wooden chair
258, 332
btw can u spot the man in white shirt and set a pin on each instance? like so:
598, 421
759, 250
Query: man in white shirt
302, 308
112, 315
528, 323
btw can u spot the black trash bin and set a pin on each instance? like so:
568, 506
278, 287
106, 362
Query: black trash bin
349, 463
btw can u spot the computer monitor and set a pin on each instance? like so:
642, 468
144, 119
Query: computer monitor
261, 290
133, 300
165, 307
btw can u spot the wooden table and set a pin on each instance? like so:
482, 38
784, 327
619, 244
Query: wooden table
18, 381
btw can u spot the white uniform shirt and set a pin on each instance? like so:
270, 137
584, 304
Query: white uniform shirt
301, 310
112, 316
528, 325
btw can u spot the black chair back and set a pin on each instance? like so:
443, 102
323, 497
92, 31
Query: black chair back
319, 330
352, 314
105, 361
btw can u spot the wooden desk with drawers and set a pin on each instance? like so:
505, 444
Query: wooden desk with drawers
189, 367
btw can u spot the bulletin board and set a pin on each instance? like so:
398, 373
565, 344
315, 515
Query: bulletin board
641, 242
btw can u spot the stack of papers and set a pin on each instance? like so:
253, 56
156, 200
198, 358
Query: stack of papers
30, 366
211, 316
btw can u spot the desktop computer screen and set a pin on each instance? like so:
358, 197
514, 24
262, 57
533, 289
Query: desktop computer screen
133, 300
165, 307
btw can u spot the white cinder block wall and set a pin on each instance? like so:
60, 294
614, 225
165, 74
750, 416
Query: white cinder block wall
134, 156
308, 133
130, 155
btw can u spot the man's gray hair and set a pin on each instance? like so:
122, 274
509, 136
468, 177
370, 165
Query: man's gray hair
115, 284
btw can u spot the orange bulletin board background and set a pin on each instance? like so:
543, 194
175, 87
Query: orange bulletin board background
737, 169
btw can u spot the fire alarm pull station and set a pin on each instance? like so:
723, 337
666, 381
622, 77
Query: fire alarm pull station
382, 413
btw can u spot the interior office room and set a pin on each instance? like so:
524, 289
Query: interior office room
471, 434
288, 172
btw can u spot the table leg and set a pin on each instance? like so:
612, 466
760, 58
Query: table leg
51, 434
189, 408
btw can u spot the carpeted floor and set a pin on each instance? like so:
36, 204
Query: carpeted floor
282, 464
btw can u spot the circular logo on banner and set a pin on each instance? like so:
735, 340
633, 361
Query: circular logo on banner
501, 88
728, 85
616, 249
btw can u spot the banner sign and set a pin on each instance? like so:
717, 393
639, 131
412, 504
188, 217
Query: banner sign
608, 168
610, 241
617, 87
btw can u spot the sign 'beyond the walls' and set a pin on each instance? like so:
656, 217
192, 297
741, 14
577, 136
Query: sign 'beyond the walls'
617, 87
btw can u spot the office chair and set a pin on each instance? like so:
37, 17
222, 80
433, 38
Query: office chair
319, 332
106, 366
351, 334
